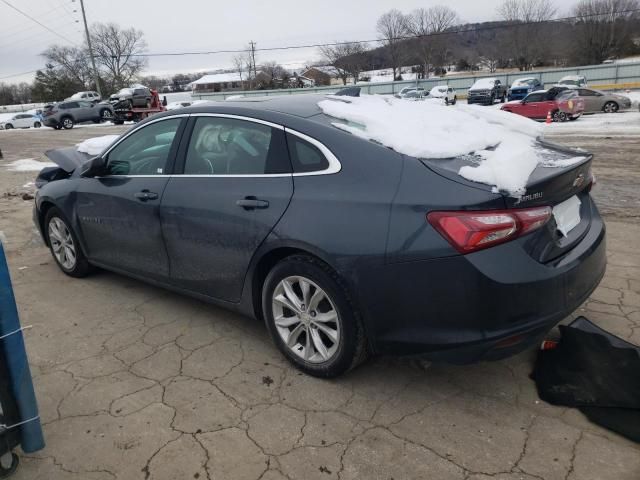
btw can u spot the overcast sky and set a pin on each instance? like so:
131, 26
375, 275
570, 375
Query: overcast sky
197, 25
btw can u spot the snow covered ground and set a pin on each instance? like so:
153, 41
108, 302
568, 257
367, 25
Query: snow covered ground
600, 124
28, 165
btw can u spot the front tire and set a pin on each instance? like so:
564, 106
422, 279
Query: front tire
8, 126
454, 101
610, 107
37, 125
64, 245
311, 317
106, 115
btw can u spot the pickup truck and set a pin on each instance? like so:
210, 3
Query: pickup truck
486, 91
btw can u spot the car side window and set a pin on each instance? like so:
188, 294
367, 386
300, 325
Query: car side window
305, 157
534, 97
144, 152
84, 104
229, 146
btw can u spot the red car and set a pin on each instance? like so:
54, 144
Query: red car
563, 104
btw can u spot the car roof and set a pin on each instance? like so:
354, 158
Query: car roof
301, 105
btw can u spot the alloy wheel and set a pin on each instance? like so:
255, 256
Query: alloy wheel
62, 243
67, 123
610, 107
106, 115
306, 319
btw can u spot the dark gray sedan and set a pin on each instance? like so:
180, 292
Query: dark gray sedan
596, 101
343, 247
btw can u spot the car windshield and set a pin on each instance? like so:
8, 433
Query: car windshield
570, 81
523, 82
484, 83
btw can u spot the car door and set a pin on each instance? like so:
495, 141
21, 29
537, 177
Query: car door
84, 112
234, 186
533, 105
21, 121
592, 100
119, 213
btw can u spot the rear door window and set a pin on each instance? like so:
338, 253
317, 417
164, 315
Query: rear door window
230, 146
534, 97
305, 157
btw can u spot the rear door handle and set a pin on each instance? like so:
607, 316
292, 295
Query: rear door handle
250, 203
145, 195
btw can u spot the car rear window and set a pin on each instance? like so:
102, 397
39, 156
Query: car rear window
305, 157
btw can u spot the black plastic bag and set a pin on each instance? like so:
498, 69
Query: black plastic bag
596, 372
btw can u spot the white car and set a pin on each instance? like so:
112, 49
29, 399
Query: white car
407, 90
90, 96
21, 120
573, 81
446, 92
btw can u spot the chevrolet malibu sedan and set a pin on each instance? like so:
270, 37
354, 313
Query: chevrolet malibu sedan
343, 247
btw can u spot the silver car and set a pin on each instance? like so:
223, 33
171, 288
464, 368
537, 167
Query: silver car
596, 101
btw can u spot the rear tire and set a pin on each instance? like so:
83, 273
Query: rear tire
37, 125
67, 123
106, 115
8, 126
610, 107
455, 99
326, 347
64, 245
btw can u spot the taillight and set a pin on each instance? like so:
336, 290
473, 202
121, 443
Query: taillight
469, 231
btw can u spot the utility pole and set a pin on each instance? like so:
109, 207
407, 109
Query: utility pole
93, 60
253, 57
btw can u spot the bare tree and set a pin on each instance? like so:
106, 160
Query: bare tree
348, 58
72, 60
240, 65
391, 28
524, 40
117, 52
602, 27
428, 25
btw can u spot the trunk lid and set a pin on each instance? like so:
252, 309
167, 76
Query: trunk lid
547, 186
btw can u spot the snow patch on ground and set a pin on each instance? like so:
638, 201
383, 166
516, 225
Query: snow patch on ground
28, 165
96, 145
504, 141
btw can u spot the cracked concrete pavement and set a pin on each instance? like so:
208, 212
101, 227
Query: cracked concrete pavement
134, 382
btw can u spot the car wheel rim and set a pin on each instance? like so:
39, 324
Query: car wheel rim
106, 115
609, 108
306, 319
67, 123
62, 243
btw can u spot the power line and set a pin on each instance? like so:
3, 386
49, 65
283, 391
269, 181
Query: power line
39, 23
316, 45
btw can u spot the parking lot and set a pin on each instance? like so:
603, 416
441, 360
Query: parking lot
135, 382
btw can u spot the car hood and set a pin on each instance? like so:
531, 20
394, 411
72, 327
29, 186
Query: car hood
68, 158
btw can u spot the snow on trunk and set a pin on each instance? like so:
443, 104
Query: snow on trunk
504, 142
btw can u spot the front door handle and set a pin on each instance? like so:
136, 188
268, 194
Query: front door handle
145, 195
250, 203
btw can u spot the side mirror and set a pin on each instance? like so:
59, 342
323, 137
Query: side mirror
94, 168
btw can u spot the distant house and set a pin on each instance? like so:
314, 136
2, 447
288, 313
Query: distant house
320, 75
299, 81
217, 82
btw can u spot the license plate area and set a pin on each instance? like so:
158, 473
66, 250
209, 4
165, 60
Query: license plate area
567, 215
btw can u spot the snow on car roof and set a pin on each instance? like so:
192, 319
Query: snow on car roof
484, 83
572, 77
504, 142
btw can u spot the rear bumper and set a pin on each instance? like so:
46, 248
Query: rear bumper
487, 305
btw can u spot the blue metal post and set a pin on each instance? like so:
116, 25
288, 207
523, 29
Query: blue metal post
16, 359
